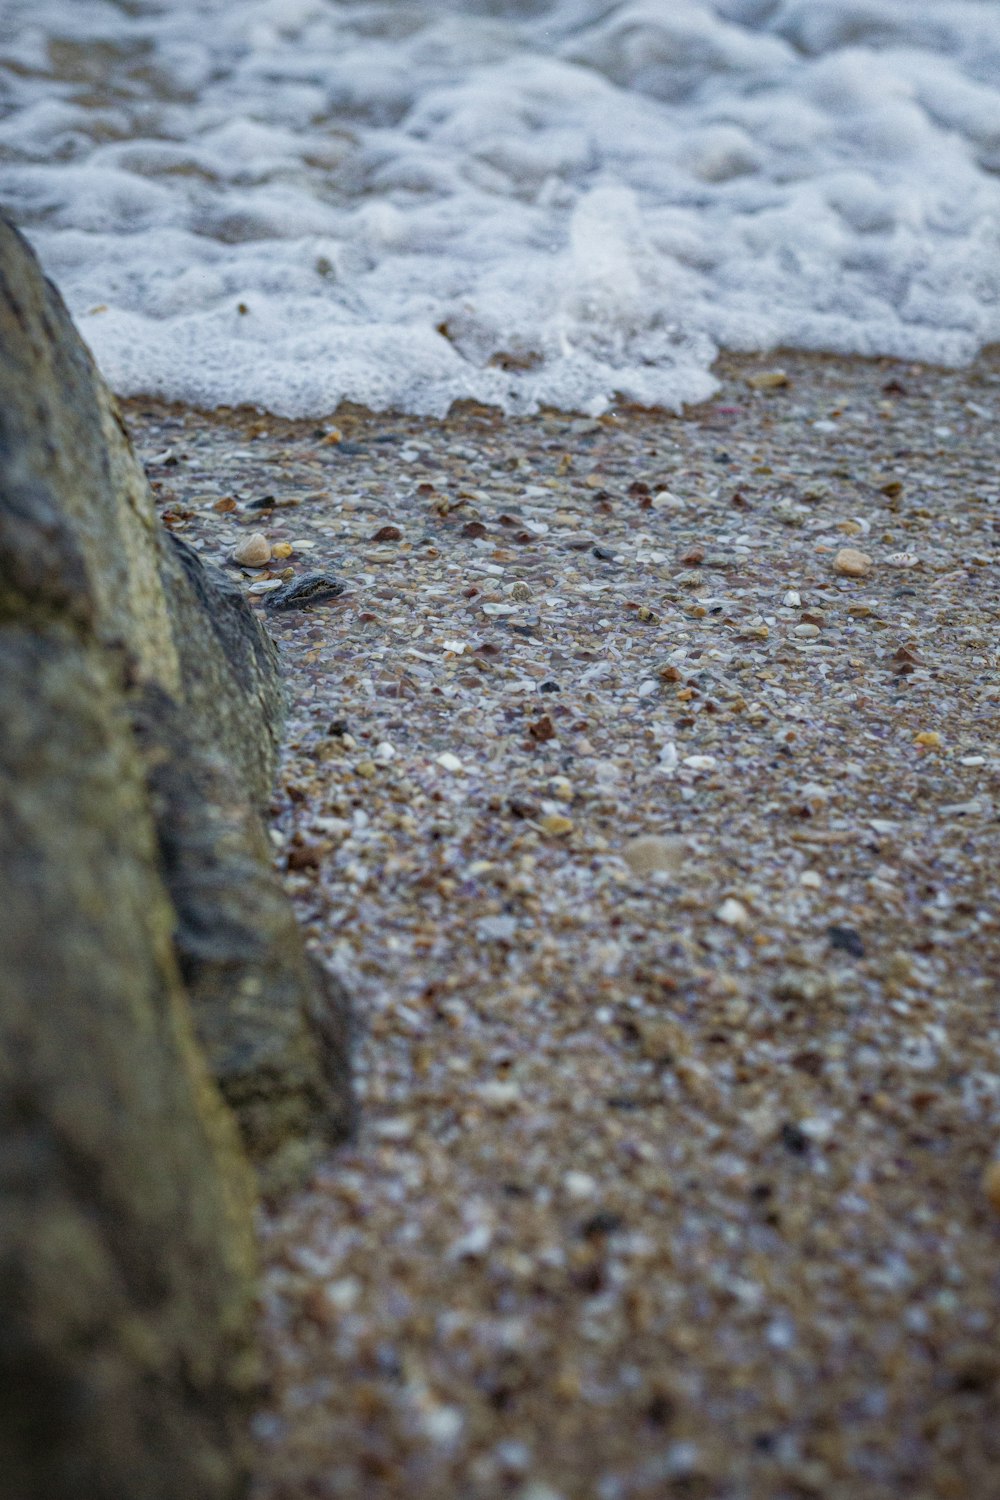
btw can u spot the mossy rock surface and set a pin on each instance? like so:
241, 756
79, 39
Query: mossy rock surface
160, 1019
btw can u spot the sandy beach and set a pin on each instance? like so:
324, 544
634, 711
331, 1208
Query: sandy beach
660, 854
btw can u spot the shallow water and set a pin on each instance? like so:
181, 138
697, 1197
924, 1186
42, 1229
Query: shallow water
296, 202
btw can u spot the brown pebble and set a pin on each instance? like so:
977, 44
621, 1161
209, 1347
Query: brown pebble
852, 562
991, 1184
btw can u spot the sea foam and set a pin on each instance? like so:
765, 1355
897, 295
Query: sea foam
405, 203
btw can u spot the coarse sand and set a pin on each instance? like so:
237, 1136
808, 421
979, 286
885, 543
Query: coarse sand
670, 1181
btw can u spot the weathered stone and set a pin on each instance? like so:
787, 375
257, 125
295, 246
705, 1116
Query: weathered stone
62, 438
63, 445
229, 676
186, 631
126, 1258
142, 707
281, 1064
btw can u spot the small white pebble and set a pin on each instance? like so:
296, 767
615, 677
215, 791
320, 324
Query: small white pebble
384, 751
733, 913
398, 1129
700, 762
579, 1185
513, 1455
499, 1095
792, 599
811, 879
455, 647
448, 762
668, 758
473, 1244
343, 1294
442, 1424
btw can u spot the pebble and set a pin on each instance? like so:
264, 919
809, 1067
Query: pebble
652, 853
768, 380
791, 513
253, 551
448, 762
556, 825
310, 588
733, 913
520, 591
540, 1008
499, 1095
853, 563
806, 631
579, 1185
902, 560
991, 1184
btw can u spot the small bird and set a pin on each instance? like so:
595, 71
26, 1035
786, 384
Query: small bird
300, 593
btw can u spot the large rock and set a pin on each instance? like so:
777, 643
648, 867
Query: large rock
142, 932
188, 638
126, 1258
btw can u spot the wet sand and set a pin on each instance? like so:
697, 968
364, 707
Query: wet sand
670, 1180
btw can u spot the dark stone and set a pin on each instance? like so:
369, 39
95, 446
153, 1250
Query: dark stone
274, 1025
229, 673
846, 940
309, 589
794, 1139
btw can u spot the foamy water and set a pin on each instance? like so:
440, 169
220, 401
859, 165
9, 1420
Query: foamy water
294, 202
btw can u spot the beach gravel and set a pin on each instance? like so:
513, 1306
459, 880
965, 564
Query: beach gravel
659, 850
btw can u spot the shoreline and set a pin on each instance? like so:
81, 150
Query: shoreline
730, 368
670, 1179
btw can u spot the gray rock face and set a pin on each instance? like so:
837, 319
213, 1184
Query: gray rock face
142, 935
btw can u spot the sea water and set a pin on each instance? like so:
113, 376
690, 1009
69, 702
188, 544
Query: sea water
406, 203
